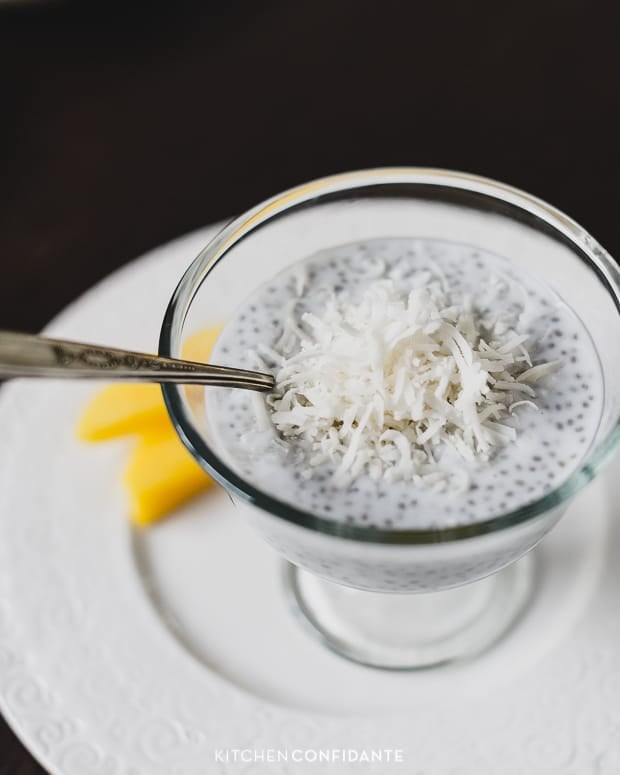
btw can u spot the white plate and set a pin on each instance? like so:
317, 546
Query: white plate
148, 653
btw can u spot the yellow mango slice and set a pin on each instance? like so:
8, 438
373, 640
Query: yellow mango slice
198, 346
160, 475
121, 409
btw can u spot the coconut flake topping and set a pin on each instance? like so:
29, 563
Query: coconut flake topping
387, 384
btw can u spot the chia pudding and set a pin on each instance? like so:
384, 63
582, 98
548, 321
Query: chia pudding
553, 431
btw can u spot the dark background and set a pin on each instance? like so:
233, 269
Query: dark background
123, 125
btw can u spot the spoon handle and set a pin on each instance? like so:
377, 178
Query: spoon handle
28, 355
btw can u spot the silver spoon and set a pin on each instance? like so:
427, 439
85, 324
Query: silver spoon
27, 355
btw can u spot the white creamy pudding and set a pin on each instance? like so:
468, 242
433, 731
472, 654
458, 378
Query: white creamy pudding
419, 383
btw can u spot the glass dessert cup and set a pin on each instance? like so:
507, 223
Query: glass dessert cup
399, 598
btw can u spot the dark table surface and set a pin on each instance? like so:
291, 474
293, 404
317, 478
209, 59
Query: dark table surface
124, 125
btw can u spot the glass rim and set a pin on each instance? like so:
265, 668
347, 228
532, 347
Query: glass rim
521, 206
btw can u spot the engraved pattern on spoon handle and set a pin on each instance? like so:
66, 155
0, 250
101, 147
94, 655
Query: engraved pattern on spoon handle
28, 355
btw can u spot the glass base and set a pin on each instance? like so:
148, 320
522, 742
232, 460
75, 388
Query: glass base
408, 632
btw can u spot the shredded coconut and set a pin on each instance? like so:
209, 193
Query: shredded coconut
384, 385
